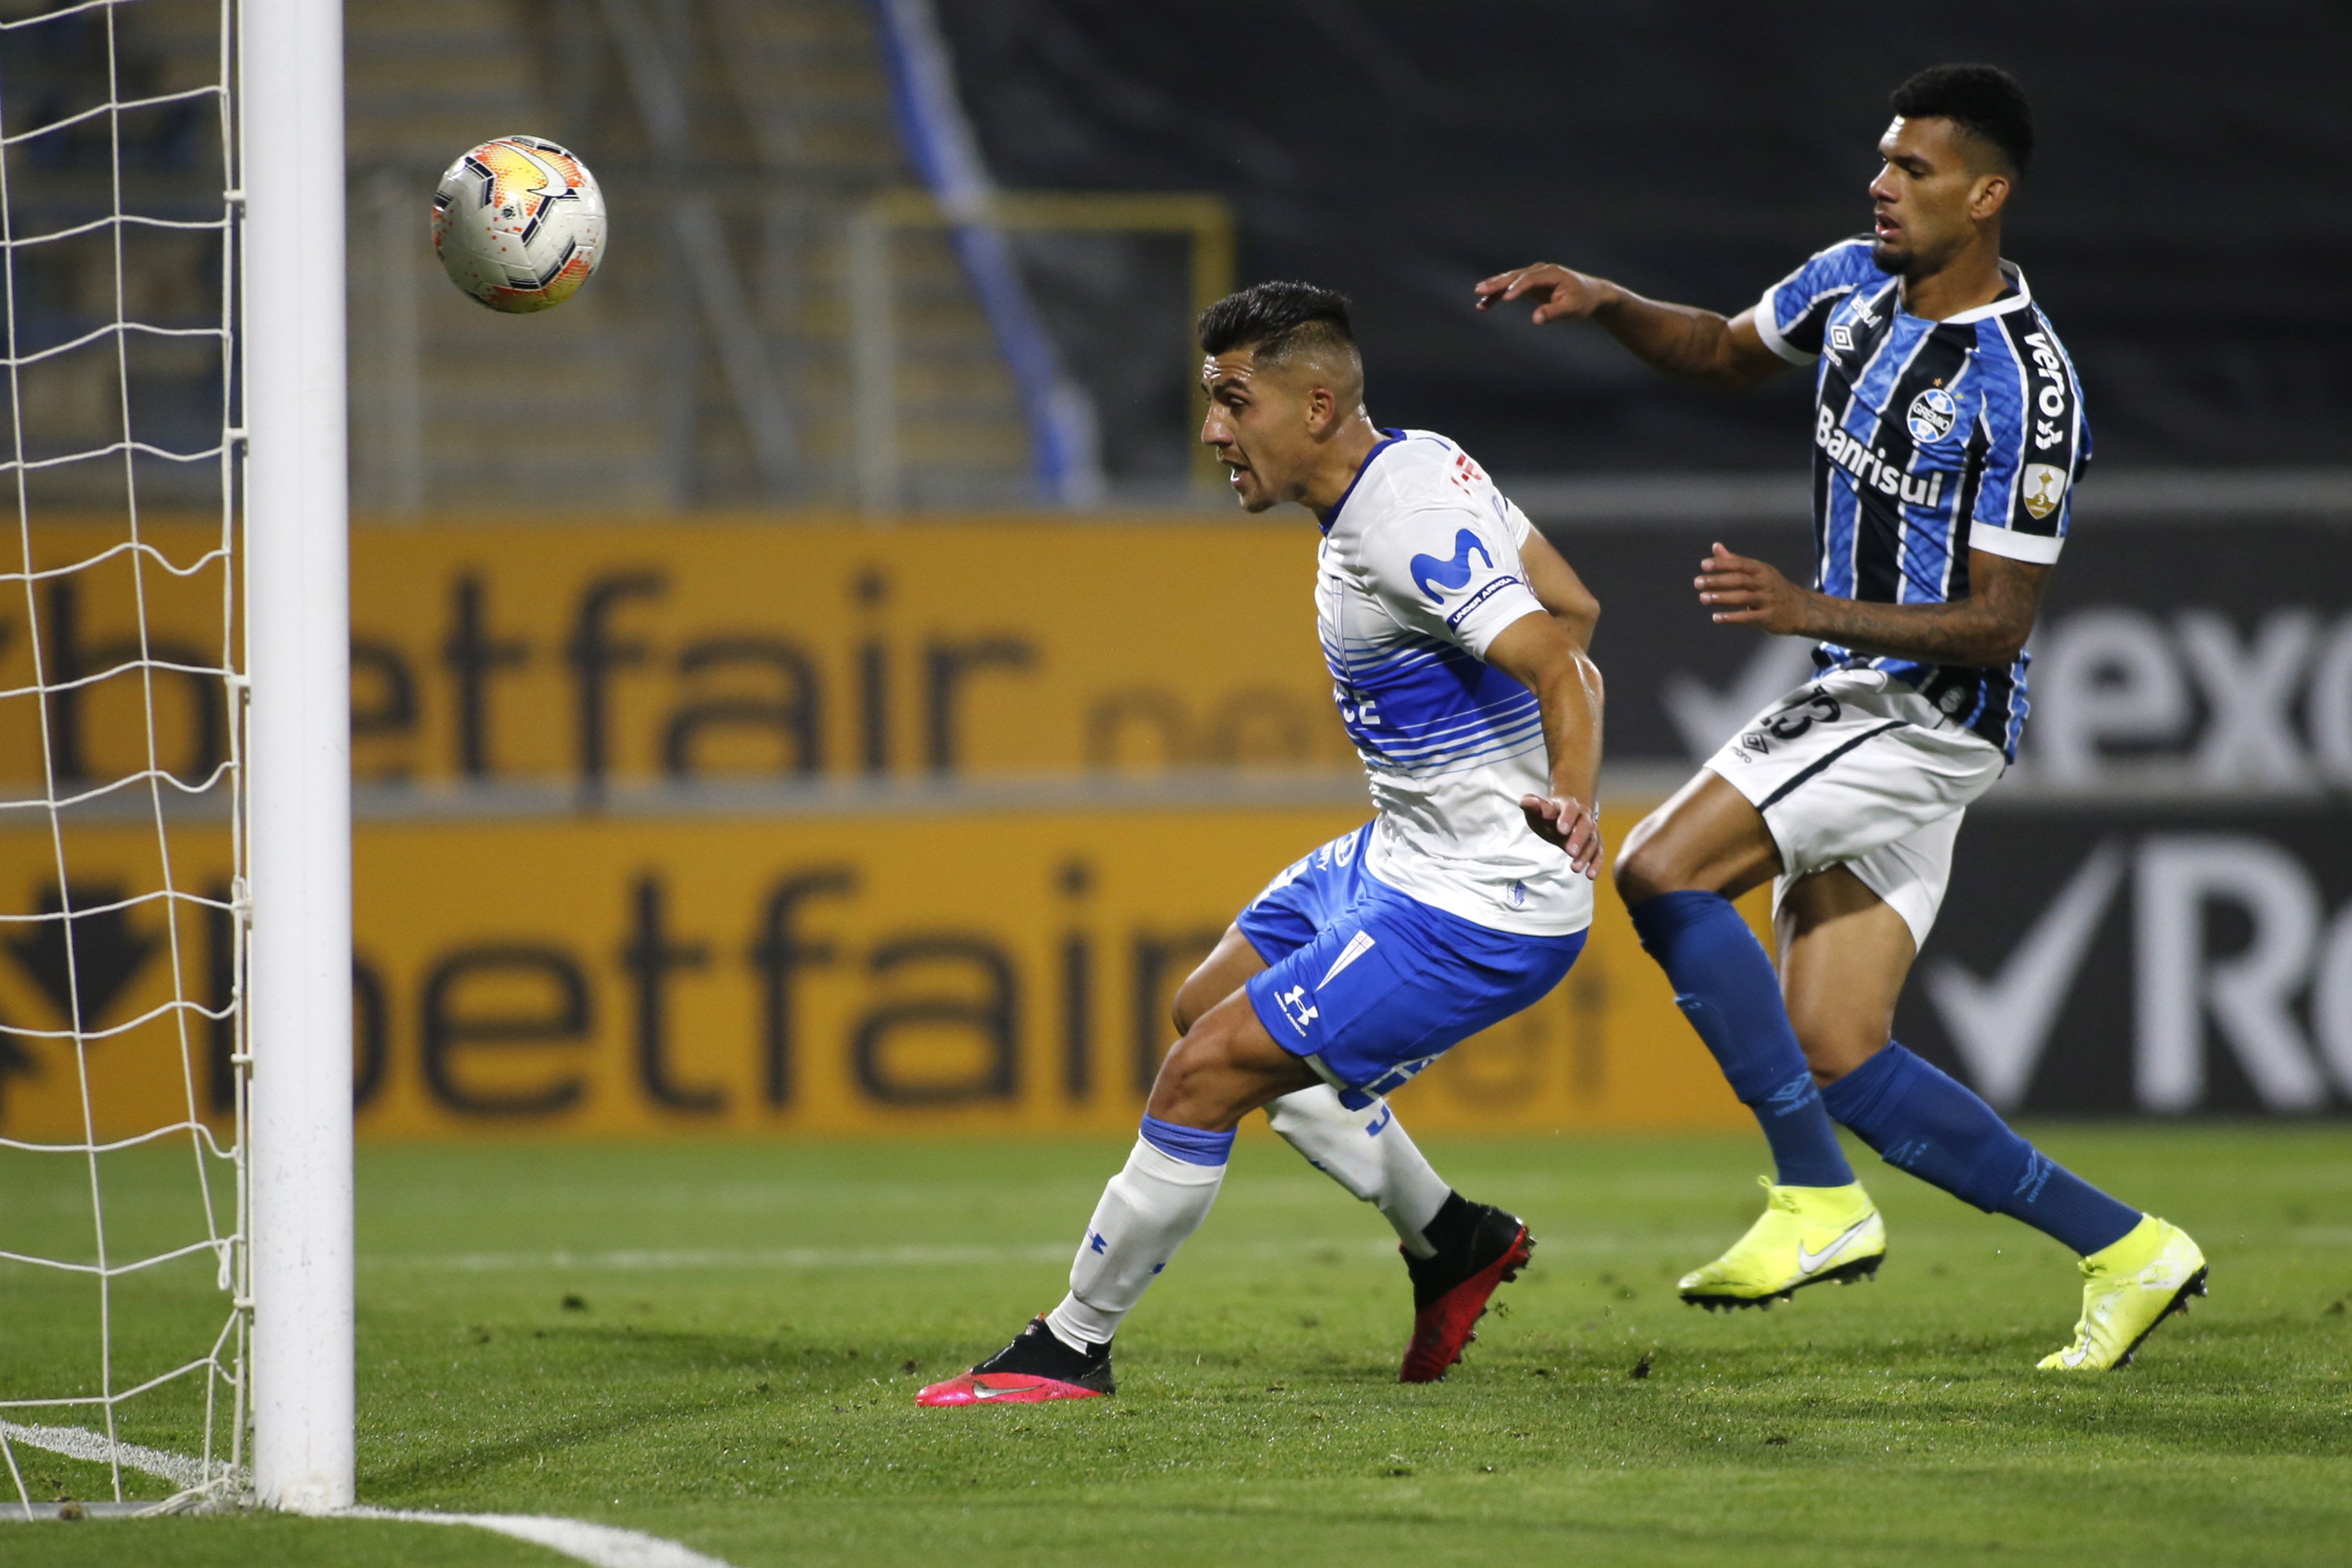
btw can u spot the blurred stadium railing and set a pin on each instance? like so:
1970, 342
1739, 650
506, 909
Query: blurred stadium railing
770, 236
886, 411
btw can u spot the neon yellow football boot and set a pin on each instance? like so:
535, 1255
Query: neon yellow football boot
2127, 1290
1807, 1235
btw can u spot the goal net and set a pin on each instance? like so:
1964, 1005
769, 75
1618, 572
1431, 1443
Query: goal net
143, 607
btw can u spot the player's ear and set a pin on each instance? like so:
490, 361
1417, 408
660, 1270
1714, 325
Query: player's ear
1322, 408
1990, 194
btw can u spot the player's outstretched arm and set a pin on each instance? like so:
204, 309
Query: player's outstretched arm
1988, 628
1535, 652
1559, 589
1679, 339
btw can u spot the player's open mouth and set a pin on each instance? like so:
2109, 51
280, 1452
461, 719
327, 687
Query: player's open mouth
1887, 227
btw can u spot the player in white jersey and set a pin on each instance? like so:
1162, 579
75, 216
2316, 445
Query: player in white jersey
1455, 639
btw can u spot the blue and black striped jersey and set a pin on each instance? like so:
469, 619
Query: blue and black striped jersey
1930, 438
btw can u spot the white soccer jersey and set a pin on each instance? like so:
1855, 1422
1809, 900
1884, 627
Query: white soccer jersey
1419, 570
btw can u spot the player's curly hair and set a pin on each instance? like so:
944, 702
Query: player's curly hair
1279, 320
1984, 102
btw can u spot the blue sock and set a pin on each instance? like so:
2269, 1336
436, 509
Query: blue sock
1924, 1121
1725, 985
1190, 1144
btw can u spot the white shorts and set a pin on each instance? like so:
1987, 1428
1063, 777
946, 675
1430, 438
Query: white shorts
1858, 770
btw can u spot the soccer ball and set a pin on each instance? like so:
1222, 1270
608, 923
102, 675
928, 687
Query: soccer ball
518, 224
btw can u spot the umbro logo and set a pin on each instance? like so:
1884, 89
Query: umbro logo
1841, 338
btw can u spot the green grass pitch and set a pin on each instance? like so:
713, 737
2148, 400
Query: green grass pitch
720, 1342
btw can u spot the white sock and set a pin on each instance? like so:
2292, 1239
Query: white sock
1368, 1152
1146, 1213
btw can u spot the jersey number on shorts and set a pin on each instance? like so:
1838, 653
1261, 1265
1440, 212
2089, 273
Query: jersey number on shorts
1797, 717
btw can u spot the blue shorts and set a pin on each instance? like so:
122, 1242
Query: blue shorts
1370, 985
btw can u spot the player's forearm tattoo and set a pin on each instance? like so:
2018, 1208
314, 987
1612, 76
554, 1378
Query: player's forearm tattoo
1679, 339
1985, 629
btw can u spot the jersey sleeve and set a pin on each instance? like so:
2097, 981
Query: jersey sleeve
2036, 444
1795, 311
1516, 523
1451, 572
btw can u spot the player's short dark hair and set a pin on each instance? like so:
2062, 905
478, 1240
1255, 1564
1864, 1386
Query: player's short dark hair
1279, 320
1984, 102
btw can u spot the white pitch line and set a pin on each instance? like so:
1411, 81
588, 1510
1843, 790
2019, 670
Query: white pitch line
641, 1261
80, 1443
602, 1545
605, 1545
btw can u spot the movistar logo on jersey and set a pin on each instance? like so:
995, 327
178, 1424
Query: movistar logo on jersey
1455, 574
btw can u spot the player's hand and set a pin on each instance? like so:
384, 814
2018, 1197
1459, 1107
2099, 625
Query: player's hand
1566, 824
1560, 293
1745, 593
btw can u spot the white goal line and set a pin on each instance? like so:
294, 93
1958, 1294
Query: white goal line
81, 1443
604, 1545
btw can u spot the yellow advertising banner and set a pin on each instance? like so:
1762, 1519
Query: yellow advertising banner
683, 651
930, 971
700, 650
726, 828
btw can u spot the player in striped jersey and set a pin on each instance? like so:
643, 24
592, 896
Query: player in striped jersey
1947, 438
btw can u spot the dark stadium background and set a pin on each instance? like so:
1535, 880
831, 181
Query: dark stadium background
2177, 223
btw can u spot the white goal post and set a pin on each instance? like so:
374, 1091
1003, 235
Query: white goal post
298, 789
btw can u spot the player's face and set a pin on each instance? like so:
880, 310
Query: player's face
1258, 426
1928, 197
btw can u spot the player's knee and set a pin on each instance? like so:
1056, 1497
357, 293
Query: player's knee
1188, 1077
1836, 1047
1645, 866
1210, 1078
1190, 1004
